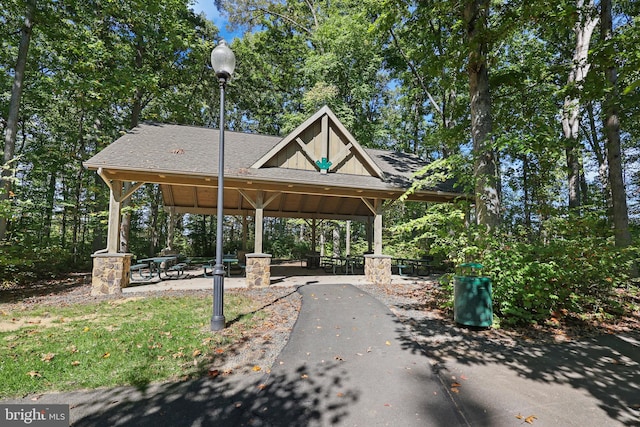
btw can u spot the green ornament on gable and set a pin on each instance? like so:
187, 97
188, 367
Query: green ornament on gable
323, 164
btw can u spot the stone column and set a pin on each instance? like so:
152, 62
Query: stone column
110, 273
258, 270
377, 269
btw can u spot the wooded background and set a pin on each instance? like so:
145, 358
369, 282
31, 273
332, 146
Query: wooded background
533, 107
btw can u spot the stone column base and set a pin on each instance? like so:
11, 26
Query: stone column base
258, 270
110, 273
377, 269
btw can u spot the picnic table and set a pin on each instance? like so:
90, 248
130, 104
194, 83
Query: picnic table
418, 267
148, 268
346, 265
226, 260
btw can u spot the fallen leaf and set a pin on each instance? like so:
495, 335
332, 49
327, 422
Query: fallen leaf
106, 355
304, 376
520, 416
75, 363
219, 350
530, 419
340, 394
48, 357
455, 389
256, 368
34, 374
86, 329
197, 352
262, 386
388, 343
213, 373
456, 385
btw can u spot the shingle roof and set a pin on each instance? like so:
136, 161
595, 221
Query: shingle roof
165, 148
182, 157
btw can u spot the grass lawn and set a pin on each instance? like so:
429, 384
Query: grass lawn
132, 341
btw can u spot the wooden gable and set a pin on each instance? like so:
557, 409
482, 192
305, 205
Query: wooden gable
321, 144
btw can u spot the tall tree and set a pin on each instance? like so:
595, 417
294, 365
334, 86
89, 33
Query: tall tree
583, 28
302, 55
612, 131
424, 52
14, 109
476, 17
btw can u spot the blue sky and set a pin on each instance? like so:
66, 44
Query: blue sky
214, 15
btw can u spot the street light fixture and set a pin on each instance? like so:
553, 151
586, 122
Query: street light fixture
223, 62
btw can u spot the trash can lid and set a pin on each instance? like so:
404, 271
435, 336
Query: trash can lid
471, 265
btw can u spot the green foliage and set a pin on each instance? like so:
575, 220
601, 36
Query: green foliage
572, 267
441, 231
286, 247
20, 264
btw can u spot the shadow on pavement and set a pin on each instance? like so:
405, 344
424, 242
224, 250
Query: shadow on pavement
605, 368
255, 400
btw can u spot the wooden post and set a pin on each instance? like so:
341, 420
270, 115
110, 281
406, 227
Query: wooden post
113, 233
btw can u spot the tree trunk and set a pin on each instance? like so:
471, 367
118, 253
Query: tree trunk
14, 109
51, 193
136, 110
154, 208
336, 239
583, 29
485, 167
172, 218
612, 127
603, 167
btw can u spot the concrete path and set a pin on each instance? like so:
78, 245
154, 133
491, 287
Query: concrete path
345, 365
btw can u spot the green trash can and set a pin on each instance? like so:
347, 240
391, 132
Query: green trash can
472, 301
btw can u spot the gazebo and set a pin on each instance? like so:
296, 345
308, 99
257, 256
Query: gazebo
318, 171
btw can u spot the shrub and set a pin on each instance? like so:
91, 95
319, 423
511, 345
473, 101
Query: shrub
21, 264
573, 266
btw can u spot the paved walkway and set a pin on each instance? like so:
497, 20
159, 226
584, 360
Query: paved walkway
350, 362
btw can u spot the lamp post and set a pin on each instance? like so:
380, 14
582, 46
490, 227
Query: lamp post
223, 62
